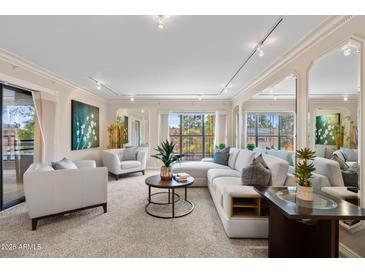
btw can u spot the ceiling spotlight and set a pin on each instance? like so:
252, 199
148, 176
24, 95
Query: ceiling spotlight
271, 91
347, 51
260, 50
225, 90
200, 97
275, 98
345, 98
142, 110
98, 86
132, 99
160, 22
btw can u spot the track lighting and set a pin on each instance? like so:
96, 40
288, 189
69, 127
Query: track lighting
260, 51
160, 22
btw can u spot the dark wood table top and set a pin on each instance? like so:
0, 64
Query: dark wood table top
155, 181
344, 210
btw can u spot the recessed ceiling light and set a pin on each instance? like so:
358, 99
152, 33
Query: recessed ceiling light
271, 91
132, 99
200, 97
345, 98
142, 110
275, 98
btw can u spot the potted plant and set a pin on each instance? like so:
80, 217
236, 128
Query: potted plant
250, 146
167, 155
303, 173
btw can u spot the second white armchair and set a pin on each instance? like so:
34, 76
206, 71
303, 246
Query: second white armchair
117, 164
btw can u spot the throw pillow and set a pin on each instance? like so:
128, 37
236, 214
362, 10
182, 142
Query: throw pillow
256, 174
349, 154
130, 154
64, 164
261, 160
342, 163
221, 156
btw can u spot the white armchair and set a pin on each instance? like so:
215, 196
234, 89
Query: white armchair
113, 160
50, 192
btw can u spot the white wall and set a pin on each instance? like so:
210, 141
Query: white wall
19, 73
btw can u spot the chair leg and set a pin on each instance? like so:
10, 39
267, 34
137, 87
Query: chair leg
34, 224
105, 207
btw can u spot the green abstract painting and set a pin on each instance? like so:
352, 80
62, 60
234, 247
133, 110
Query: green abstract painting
327, 129
85, 126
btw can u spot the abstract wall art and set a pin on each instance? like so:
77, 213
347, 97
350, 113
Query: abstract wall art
84, 126
327, 129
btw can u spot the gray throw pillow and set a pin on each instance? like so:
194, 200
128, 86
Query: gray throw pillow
342, 163
221, 156
256, 174
349, 154
260, 158
130, 154
64, 164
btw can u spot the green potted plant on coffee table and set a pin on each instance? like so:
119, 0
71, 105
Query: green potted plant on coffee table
167, 155
304, 172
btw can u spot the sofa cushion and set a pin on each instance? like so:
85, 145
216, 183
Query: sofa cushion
197, 169
130, 154
233, 153
218, 172
129, 164
256, 174
221, 156
244, 159
279, 169
350, 155
64, 164
282, 154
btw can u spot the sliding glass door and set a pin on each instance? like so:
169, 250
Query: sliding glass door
17, 142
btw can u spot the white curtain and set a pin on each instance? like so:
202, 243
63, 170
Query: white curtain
220, 128
44, 133
163, 127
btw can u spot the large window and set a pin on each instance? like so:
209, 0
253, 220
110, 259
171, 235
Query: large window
275, 130
193, 134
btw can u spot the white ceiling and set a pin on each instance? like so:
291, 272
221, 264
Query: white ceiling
191, 56
335, 74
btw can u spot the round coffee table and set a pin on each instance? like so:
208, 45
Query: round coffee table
156, 182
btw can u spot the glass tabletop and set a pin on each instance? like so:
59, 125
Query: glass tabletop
319, 202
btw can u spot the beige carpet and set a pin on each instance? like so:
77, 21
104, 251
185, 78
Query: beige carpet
126, 230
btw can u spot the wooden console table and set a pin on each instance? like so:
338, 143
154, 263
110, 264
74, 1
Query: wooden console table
300, 229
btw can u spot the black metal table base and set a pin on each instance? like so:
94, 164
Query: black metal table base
171, 201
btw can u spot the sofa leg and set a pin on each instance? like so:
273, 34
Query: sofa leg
143, 172
34, 224
116, 177
105, 207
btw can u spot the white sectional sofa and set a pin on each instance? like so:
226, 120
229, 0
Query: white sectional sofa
225, 187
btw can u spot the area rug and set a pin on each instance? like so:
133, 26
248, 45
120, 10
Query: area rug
125, 230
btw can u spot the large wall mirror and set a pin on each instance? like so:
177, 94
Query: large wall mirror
270, 120
136, 124
333, 127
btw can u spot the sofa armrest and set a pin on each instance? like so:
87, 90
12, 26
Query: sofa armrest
111, 161
85, 164
142, 158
